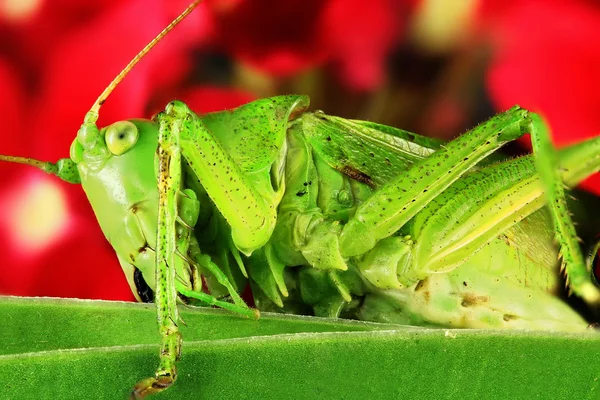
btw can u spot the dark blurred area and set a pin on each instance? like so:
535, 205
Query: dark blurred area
435, 67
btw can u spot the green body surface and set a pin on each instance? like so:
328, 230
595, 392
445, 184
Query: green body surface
274, 186
332, 217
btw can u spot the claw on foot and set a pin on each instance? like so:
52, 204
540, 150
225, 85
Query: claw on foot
150, 386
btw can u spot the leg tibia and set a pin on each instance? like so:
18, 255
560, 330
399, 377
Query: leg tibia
190, 256
235, 194
212, 301
471, 213
484, 205
169, 183
578, 277
204, 261
404, 196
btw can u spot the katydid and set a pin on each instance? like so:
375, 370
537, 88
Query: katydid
332, 217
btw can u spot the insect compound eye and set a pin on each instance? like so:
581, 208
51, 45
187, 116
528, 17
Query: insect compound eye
120, 137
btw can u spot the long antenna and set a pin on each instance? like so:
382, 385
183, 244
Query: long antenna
43, 165
102, 98
65, 168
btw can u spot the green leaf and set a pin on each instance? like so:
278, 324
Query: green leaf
67, 349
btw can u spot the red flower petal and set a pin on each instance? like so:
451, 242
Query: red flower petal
38, 32
360, 36
14, 139
284, 38
207, 99
547, 61
82, 62
279, 38
85, 62
88, 268
12, 100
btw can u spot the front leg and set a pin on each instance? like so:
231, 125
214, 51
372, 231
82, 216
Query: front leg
169, 184
236, 156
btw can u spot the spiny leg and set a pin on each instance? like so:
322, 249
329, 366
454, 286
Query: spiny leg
320, 245
180, 115
211, 164
205, 262
462, 239
578, 277
403, 197
190, 254
213, 301
242, 185
169, 183
383, 218
481, 207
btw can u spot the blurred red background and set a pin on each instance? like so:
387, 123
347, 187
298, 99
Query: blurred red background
436, 67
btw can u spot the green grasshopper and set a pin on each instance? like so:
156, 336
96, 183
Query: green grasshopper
332, 217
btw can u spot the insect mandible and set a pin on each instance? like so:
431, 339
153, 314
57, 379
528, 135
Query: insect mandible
331, 216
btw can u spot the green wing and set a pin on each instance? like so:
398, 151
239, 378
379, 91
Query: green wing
368, 152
